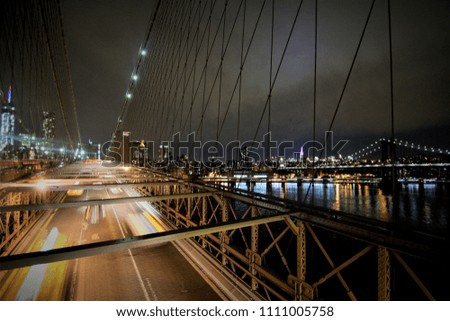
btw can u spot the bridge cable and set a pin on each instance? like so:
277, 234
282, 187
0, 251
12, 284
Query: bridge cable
221, 69
192, 71
187, 77
315, 85
220, 66
243, 62
238, 120
69, 73
278, 70
391, 87
267, 156
343, 89
150, 28
55, 78
204, 80
183, 54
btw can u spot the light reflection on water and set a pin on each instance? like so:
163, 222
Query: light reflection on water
424, 206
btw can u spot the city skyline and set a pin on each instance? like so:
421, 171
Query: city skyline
103, 67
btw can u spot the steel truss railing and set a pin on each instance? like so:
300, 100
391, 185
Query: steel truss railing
257, 255
278, 252
15, 223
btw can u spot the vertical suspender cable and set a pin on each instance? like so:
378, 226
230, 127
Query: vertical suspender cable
392, 145
69, 73
346, 82
240, 74
315, 84
206, 72
267, 156
150, 28
278, 69
55, 79
222, 53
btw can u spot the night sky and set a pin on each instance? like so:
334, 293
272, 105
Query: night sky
103, 39
104, 36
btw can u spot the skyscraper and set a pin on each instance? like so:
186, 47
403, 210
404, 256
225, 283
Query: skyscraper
8, 120
48, 125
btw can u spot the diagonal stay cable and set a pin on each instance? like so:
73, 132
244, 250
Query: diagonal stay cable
345, 87
66, 57
243, 61
278, 69
55, 78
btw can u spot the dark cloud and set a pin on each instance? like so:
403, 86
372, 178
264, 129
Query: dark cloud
104, 36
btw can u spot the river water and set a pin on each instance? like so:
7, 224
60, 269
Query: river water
424, 207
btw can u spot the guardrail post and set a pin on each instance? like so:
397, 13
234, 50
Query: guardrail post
16, 200
204, 218
384, 274
254, 249
223, 235
25, 200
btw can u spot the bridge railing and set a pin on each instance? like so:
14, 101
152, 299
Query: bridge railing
279, 250
13, 224
292, 255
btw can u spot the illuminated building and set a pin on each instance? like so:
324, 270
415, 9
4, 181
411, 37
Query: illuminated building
119, 150
8, 120
48, 125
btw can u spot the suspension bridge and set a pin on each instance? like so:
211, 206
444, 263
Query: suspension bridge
220, 89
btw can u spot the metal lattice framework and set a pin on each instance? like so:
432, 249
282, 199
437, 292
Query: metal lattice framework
13, 224
263, 263
276, 251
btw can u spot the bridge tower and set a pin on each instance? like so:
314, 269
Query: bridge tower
7, 124
388, 151
389, 174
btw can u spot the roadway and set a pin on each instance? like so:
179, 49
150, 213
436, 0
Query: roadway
157, 272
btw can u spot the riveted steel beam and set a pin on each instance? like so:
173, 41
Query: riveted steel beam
73, 252
121, 200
